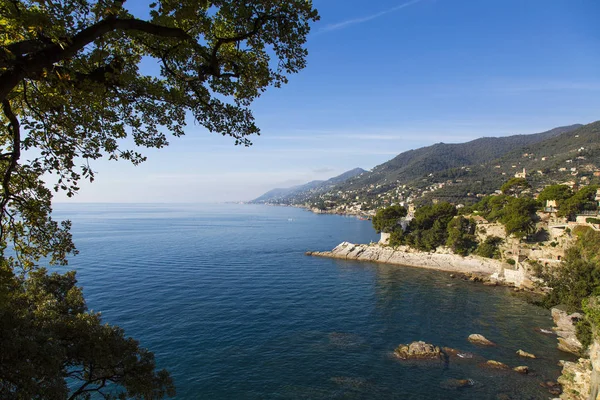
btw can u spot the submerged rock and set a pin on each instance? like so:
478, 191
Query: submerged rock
349, 381
495, 365
522, 369
345, 340
480, 340
419, 351
525, 354
457, 383
544, 331
458, 354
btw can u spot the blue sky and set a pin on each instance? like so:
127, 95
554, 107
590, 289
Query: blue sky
384, 77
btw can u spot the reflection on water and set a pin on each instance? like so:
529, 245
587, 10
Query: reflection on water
231, 306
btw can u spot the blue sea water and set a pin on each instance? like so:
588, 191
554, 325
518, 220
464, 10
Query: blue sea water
230, 305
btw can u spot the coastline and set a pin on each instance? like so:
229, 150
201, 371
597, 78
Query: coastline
486, 269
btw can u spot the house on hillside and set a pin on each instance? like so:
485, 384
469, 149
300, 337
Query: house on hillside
521, 174
551, 206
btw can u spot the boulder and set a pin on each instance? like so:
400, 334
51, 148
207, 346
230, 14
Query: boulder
525, 354
495, 365
480, 340
419, 351
522, 369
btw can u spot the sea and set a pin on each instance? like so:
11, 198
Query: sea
231, 306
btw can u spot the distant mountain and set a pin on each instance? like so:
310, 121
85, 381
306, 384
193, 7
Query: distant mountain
462, 173
307, 190
414, 164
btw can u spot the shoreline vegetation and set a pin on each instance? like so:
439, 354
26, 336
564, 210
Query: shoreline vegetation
544, 242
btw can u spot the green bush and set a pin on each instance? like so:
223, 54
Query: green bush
387, 219
461, 235
397, 237
578, 276
583, 331
511, 261
490, 247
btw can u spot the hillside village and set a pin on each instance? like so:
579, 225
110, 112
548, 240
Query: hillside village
546, 245
461, 174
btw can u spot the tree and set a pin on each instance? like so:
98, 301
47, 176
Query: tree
555, 192
518, 216
584, 199
578, 275
387, 219
490, 247
515, 186
74, 88
461, 235
428, 229
47, 337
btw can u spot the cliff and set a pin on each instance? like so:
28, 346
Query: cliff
581, 380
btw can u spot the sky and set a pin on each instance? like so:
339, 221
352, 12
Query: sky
384, 77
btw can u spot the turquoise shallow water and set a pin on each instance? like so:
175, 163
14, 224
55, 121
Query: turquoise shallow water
231, 306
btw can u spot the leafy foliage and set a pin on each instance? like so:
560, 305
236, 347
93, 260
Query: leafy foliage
555, 192
387, 219
73, 90
518, 217
461, 235
490, 247
428, 229
584, 199
578, 276
48, 337
515, 186
516, 214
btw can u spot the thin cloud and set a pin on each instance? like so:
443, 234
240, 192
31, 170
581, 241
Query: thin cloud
354, 21
322, 170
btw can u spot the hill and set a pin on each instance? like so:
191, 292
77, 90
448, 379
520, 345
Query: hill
305, 191
417, 163
464, 172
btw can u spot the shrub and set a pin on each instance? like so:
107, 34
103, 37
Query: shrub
489, 248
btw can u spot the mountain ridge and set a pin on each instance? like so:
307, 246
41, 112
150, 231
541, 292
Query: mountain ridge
310, 188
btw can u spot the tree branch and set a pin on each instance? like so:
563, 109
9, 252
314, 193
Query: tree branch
15, 154
33, 64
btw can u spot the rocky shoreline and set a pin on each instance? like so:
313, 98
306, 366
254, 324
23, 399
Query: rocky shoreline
485, 269
580, 380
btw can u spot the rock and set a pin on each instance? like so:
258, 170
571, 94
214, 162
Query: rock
480, 340
402, 255
457, 383
308, 253
490, 283
525, 354
565, 329
495, 364
576, 379
522, 369
349, 381
419, 351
